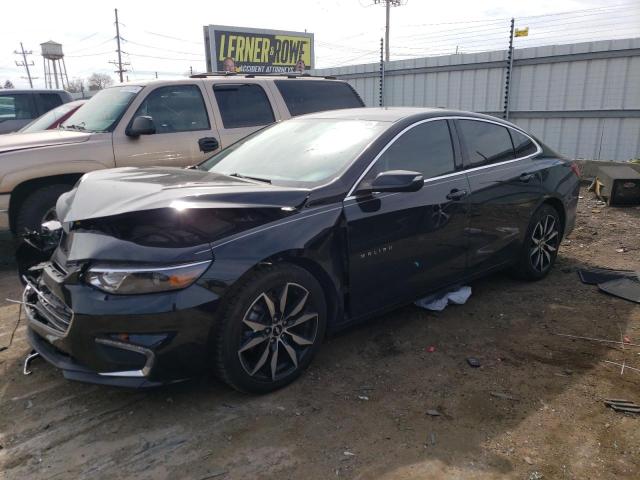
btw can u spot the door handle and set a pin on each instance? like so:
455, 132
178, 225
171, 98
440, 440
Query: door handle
456, 194
526, 177
208, 144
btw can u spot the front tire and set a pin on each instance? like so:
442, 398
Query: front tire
39, 207
269, 328
540, 246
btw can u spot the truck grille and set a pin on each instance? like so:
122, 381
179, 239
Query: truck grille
44, 307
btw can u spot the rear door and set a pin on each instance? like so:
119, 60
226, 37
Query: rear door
240, 109
505, 189
402, 245
182, 121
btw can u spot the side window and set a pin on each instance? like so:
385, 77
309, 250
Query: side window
178, 108
426, 148
308, 96
522, 144
486, 142
48, 101
243, 105
18, 106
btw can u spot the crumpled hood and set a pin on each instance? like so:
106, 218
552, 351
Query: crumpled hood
116, 191
46, 138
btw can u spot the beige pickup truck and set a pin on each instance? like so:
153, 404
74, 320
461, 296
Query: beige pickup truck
176, 122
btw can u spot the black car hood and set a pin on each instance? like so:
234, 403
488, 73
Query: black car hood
123, 190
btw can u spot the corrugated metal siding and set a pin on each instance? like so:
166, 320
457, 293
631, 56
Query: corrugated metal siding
581, 99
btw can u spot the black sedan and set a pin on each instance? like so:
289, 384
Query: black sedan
242, 264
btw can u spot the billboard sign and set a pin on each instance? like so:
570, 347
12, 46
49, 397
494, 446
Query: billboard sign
252, 50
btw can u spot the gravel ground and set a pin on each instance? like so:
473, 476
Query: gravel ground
376, 403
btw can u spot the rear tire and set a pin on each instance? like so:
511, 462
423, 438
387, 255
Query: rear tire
39, 207
540, 246
269, 328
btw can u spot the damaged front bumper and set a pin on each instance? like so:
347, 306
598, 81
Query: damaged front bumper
121, 340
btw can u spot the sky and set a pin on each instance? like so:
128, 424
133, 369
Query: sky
168, 39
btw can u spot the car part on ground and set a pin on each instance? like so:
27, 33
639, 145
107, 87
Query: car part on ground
618, 186
293, 246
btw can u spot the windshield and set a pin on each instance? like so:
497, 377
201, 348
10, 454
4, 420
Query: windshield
102, 112
306, 151
50, 118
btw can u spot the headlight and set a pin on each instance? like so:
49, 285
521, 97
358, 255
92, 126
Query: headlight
124, 280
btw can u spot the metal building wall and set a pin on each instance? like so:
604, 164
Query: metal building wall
581, 99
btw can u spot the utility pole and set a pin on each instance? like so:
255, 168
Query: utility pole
505, 113
388, 4
24, 62
119, 63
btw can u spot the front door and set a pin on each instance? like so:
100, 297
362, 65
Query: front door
182, 122
403, 245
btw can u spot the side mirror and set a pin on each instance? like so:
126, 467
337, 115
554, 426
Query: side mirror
396, 181
142, 125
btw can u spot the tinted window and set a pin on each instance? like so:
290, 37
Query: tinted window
307, 96
522, 144
426, 148
486, 142
48, 101
243, 105
18, 106
178, 108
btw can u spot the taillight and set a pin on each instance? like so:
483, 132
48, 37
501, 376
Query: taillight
575, 168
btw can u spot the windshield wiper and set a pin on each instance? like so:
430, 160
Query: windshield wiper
79, 127
257, 179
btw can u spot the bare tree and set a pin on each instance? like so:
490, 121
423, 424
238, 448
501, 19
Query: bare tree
8, 84
98, 81
76, 86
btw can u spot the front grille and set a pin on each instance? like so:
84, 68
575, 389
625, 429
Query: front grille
44, 307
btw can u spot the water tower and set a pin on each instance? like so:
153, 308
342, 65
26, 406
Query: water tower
54, 66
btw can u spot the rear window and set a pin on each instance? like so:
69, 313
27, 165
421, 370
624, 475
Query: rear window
17, 106
308, 96
486, 142
522, 144
243, 105
48, 101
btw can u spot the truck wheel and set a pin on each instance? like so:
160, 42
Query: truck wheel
39, 207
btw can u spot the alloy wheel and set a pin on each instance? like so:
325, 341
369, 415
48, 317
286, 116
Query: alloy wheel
544, 238
278, 330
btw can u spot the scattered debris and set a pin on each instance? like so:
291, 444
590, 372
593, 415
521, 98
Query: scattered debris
623, 366
433, 413
621, 405
622, 250
439, 301
528, 460
602, 340
431, 348
347, 453
535, 476
364, 398
473, 362
504, 396
214, 475
624, 288
594, 276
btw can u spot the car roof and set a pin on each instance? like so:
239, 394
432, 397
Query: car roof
30, 90
232, 78
394, 114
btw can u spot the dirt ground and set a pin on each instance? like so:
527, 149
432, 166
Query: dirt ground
532, 410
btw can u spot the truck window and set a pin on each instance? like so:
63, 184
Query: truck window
48, 101
308, 96
17, 106
243, 105
178, 108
